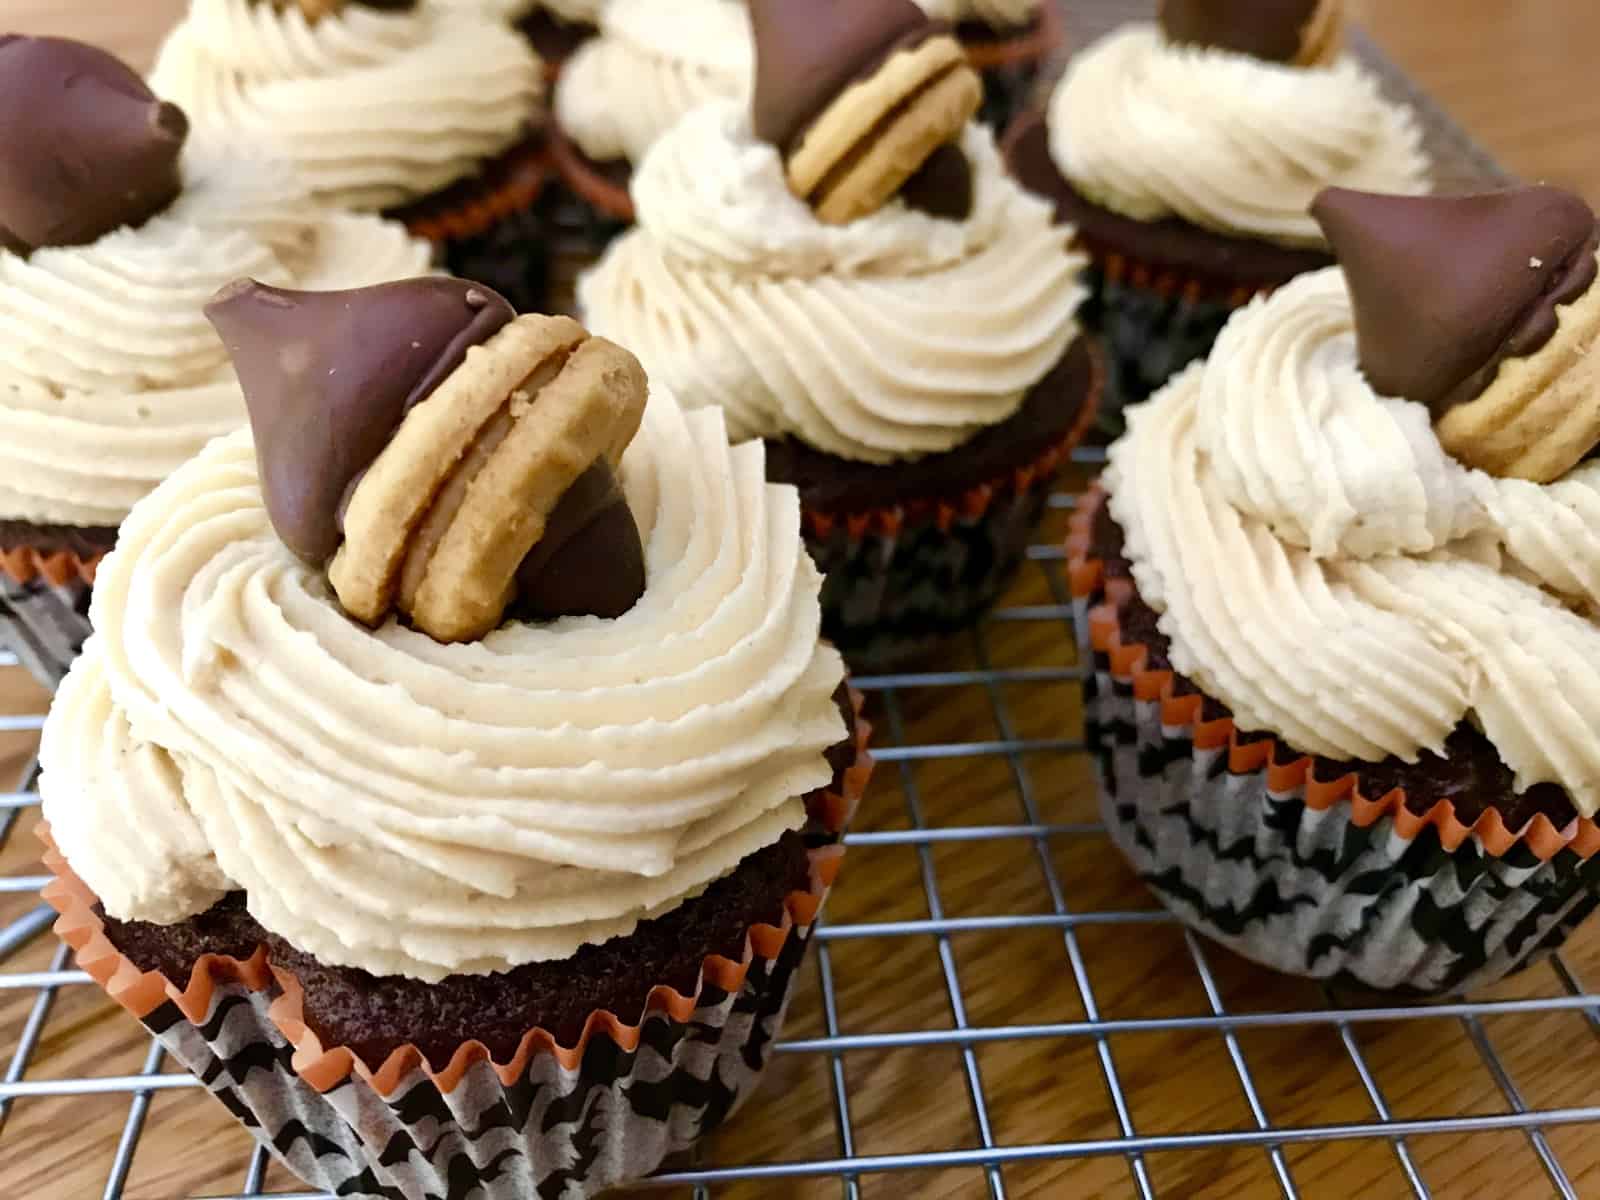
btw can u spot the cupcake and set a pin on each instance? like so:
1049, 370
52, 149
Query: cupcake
656, 60
1341, 591
455, 774
429, 113
114, 230
876, 300
1186, 155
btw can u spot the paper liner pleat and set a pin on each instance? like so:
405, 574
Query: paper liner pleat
587, 181
1285, 768
508, 185
324, 1067
24, 564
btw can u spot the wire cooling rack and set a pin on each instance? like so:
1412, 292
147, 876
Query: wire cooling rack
995, 1007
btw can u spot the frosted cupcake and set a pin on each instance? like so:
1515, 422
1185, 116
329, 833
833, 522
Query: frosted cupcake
879, 303
555, 27
461, 755
114, 230
427, 113
1341, 592
1186, 154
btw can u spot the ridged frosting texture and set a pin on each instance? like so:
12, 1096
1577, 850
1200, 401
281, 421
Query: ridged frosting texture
375, 108
653, 61
1225, 141
110, 375
407, 807
997, 14
1326, 571
889, 338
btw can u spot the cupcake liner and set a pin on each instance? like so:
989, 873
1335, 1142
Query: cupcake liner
1241, 840
554, 1122
44, 608
1011, 64
592, 205
490, 228
901, 579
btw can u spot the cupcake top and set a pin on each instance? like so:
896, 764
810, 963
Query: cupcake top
114, 230
409, 805
1359, 537
377, 104
653, 61
777, 274
1231, 117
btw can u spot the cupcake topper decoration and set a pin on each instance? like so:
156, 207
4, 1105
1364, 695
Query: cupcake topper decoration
1301, 33
86, 146
1448, 289
439, 455
864, 99
315, 10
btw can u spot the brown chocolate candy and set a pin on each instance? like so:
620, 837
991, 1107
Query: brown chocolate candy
85, 146
590, 560
1446, 288
1282, 31
328, 376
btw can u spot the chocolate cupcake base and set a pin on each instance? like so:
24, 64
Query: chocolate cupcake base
1424, 879
373, 1086
915, 552
46, 580
1159, 291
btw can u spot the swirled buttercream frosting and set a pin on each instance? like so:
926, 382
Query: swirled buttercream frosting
887, 338
1227, 142
375, 108
1329, 573
110, 376
392, 803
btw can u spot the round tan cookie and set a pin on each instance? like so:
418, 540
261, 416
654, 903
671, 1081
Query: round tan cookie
1322, 41
881, 129
1541, 414
440, 522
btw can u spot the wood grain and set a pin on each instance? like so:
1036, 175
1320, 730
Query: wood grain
1519, 76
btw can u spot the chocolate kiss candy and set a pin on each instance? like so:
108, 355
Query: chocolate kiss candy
85, 146
328, 376
1282, 31
590, 560
1445, 288
809, 52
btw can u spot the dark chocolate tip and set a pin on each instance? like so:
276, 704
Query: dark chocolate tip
590, 561
942, 186
328, 376
85, 146
809, 52
1274, 30
1446, 288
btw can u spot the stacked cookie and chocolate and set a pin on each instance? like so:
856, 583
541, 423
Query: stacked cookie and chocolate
115, 225
1186, 154
1341, 589
844, 268
463, 750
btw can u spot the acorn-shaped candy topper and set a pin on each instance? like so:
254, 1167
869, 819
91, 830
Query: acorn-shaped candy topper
864, 99
438, 454
1301, 33
1484, 309
87, 148
315, 10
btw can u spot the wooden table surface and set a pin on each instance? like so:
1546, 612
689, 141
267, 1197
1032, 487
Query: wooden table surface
1518, 74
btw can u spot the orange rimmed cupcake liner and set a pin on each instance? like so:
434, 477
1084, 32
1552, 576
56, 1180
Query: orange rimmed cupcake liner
24, 564
587, 182
506, 186
326, 1067
1286, 769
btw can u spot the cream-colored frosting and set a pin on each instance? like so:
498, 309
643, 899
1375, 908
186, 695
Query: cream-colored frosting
574, 12
407, 807
997, 14
500, 10
888, 338
110, 374
375, 108
1225, 141
653, 61
1326, 571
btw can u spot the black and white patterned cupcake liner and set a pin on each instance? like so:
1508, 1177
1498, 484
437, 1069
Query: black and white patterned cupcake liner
1241, 840
551, 1123
44, 623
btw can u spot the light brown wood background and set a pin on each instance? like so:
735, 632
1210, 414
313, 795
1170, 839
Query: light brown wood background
1519, 75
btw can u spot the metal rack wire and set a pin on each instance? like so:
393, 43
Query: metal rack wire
900, 754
